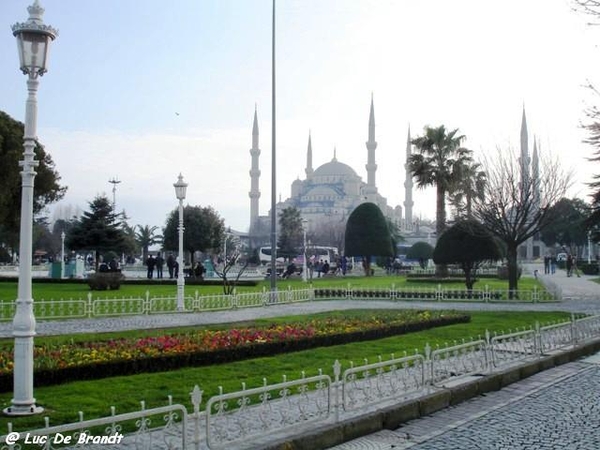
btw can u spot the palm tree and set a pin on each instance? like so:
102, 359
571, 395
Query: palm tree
440, 162
145, 236
470, 186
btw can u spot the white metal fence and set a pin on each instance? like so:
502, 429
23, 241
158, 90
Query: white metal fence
108, 307
112, 307
240, 419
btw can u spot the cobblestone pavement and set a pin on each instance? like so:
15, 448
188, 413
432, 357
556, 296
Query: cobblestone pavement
555, 409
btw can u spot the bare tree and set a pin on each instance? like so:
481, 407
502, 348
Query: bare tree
517, 204
591, 7
225, 271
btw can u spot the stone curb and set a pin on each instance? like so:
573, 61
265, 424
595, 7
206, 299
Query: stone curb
390, 418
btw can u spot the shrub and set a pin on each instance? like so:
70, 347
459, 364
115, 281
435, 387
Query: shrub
589, 269
503, 272
104, 281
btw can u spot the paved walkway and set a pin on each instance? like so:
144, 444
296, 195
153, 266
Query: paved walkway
552, 410
581, 295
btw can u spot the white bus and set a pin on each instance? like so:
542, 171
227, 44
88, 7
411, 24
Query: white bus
317, 253
264, 256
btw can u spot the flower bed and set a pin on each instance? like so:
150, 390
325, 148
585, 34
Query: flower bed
62, 363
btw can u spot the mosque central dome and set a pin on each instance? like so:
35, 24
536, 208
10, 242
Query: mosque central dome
334, 168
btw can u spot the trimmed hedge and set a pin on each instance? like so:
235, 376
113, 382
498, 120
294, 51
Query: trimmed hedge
173, 362
458, 294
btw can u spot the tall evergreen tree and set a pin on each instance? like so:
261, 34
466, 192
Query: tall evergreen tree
98, 230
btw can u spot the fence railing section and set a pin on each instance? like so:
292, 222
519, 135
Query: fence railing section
440, 294
372, 383
146, 429
110, 307
231, 420
458, 360
238, 416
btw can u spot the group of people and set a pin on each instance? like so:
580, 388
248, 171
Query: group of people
549, 264
551, 261
158, 262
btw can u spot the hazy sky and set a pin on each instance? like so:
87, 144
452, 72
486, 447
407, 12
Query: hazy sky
143, 90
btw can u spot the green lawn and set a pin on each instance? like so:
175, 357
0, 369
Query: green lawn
57, 291
94, 398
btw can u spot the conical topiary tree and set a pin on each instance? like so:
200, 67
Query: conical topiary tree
367, 235
469, 244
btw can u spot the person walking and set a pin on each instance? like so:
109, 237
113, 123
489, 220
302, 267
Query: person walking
160, 261
170, 264
552, 265
546, 264
150, 265
569, 265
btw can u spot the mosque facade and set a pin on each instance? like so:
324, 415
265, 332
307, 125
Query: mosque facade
329, 193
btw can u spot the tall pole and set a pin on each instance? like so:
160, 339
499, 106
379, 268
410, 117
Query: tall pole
180, 279
24, 323
304, 275
589, 236
273, 172
33, 40
62, 254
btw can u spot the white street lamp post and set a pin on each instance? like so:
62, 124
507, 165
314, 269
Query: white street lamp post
304, 274
33, 41
62, 254
180, 188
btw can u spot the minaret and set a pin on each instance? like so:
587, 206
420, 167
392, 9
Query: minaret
254, 174
309, 168
371, 146
408, 185
524, 159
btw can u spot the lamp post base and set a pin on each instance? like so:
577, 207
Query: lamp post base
23, 410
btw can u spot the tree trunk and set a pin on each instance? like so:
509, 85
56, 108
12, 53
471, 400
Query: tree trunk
441, 270
367, 265
513, 271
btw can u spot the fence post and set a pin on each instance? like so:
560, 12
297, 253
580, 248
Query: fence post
147, 303
488, 350
439, 293
429, 362
337, 369
90, 305
196, 396
573, 330
538, 339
